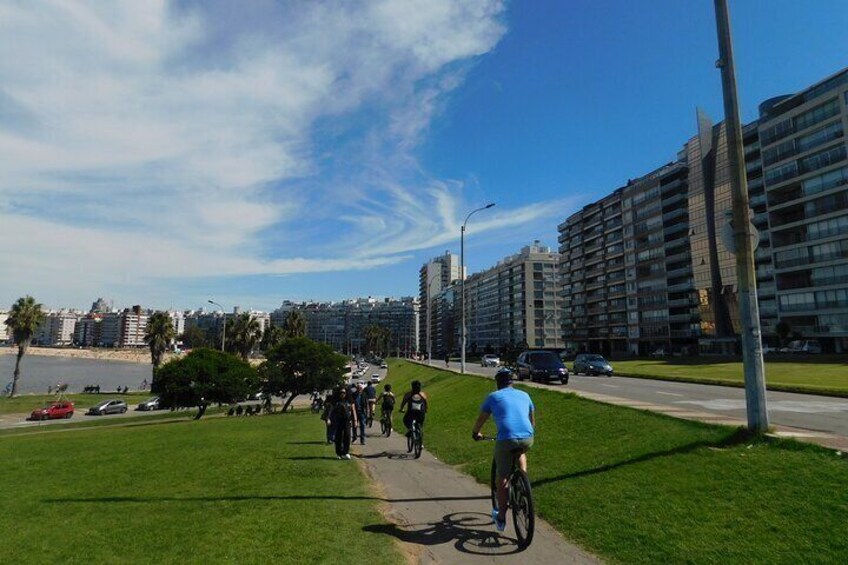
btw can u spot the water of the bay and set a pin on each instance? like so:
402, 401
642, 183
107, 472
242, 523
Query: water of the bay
39, 371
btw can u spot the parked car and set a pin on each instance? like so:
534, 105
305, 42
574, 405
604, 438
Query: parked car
541, 366
490, 360
108, 407
375, 378
53, 411
591, 364
384, 366
805, 346
149, 404
659, 352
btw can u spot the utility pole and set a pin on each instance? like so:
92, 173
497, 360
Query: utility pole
749, 310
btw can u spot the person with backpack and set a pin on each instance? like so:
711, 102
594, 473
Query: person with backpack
387, 404
342, 418
360, 405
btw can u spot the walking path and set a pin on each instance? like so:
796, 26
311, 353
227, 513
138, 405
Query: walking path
440, 515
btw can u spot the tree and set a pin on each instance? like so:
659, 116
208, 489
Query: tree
23, 321
158, 335
377, 339
202, 377
195, 338
272, 337
783, 330
295, 324
298, 366
243, 335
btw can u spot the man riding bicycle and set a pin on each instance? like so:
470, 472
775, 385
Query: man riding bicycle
387, 403
515, 419
418, 403
371, 396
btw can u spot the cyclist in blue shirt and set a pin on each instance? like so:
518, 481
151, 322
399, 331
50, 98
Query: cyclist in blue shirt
515, 419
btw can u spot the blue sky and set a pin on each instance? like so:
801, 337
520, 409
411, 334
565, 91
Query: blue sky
163, 153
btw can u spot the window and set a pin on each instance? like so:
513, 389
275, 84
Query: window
797, 302
817, 114
782, 173
822, 159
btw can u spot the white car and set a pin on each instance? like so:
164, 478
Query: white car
375, 378
490, 360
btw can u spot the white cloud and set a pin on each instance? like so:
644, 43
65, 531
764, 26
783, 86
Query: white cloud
148, 140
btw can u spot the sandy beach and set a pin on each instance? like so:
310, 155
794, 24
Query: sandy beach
126, 355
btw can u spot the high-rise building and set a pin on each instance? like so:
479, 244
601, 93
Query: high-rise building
4, 329
516, 302
57, 329
434, 276
679, 267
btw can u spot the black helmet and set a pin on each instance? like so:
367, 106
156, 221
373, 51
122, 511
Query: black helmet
504, 377
388, 388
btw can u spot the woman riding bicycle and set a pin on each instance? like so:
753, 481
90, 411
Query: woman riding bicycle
387, 403
516, 422
418, 403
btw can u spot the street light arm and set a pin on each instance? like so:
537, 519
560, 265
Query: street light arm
486, 207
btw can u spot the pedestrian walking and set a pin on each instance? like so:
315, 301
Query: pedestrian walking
343, 418
326, 415
361, 405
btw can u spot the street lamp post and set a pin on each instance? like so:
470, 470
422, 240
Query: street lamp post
752, 351
224, 330
462, 276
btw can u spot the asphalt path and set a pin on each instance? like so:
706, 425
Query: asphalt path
440, 515
805, 412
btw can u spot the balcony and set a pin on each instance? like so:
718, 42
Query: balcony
681, 287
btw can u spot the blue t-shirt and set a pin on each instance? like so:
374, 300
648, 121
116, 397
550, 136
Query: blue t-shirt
511, 410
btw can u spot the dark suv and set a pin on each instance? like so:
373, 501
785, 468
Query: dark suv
541, 366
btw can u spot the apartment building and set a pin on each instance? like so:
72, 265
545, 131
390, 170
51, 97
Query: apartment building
342, 324
806, 186
4, 329
516, 302
434, 276
680, 288
57, 329
87, 332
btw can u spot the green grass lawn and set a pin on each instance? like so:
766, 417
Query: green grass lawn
638, 487
234, 490
825, 376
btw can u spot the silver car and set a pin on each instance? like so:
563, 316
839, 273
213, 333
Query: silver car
490, 360
149, 404
108, 407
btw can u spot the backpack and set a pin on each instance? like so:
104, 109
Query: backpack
388, 402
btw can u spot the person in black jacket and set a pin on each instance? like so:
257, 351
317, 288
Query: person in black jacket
343, 417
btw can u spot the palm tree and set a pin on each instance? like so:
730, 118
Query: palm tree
245, 335
25, 317
158, 335
272, 337
295, 324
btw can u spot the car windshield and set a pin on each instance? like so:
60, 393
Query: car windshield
595, 358
545, 360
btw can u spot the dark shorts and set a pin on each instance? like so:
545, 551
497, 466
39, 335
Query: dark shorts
504, 449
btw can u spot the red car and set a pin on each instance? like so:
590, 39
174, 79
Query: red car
53, 411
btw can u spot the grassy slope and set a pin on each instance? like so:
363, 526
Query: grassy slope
245, 490
791, 376
638, 487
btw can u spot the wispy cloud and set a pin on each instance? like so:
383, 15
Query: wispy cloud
154, 140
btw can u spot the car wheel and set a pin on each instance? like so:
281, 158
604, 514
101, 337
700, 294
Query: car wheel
565, 381
123, 410
68, 415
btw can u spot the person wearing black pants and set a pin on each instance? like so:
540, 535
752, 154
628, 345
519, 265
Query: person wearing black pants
343, 415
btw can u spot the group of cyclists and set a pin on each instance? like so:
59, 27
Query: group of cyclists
348, 408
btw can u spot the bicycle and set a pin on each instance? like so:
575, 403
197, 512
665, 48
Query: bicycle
386, 423
369, 420
415, 439
519, 499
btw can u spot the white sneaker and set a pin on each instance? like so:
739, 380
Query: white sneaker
347, 456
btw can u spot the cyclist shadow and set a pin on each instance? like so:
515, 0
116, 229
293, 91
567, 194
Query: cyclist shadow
470, 532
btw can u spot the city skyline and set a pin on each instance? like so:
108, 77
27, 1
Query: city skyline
204, 154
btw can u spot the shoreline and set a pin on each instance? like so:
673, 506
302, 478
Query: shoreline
140, 355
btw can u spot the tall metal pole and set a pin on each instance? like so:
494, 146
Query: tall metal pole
224, 330
462, 278
752, 352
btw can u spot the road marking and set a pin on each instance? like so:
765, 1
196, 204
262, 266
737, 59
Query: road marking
609, 386
670, 393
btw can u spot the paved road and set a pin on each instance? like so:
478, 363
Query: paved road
807, 415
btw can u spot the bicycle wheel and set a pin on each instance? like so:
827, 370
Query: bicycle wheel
384, 427
410, 440
369, 421
388, 428
419, 440
521, 499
